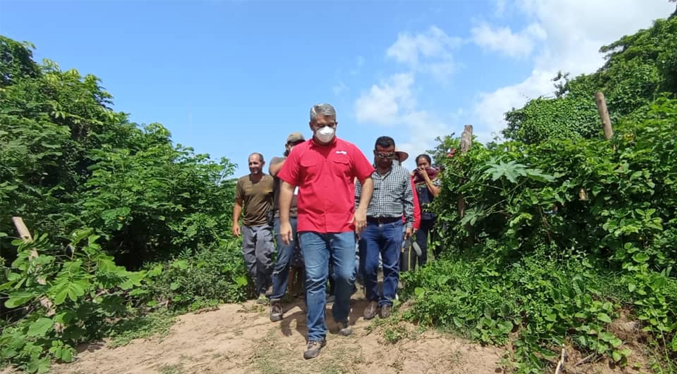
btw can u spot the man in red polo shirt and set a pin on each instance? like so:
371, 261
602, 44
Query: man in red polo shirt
324, 169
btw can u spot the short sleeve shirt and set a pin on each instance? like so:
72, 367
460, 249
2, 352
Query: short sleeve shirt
276, 200
257, 198
325, 175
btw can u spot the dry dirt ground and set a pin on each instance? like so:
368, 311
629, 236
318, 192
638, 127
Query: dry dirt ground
239, 338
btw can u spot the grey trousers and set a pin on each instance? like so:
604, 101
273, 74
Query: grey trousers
258, 248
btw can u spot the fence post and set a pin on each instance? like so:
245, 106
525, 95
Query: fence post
26, 237
604, 115
466, 143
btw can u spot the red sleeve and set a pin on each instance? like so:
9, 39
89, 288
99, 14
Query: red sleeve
363, 168
417, 208
290, 170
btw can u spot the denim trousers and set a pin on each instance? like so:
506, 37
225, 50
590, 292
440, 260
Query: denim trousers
384, 239
318, 249
285, 255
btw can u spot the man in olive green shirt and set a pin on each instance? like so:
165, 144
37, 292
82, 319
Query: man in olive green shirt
255, 192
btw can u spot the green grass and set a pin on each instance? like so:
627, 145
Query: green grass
141, 327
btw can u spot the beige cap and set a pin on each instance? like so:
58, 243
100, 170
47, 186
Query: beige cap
295, 137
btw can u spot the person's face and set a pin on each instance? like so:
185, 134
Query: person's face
255, 165
384, 156
323, 121
422, 163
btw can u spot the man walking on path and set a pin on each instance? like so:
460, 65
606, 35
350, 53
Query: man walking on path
285, 252
392, 199
255, 193
324, 169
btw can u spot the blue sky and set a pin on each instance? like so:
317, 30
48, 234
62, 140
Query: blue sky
233, 77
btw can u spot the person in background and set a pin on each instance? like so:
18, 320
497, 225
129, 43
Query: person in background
254, 192
427, 188
324, 169
407, 254
392, 199
285, 252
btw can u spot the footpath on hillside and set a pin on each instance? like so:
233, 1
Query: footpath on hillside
239, 338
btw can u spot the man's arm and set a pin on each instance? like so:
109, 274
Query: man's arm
286, 194
365, 198
417, 206
408, 203
237, 210
275, 165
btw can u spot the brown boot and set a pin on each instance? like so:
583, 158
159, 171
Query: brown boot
371, 310
386, 311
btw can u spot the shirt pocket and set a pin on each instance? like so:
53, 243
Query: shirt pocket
341, 167
309, 169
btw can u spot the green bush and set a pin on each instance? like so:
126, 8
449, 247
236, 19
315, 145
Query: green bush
557, 238
64, 296
215, 274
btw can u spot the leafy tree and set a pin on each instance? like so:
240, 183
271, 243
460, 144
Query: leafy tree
638, 69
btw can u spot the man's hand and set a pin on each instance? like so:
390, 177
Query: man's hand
285, 233
408, 233
360, 220
236, 230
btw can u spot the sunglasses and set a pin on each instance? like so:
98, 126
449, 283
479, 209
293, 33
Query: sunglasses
385, 155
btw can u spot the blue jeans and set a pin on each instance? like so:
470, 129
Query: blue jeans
285, 255
317, 250
385, 239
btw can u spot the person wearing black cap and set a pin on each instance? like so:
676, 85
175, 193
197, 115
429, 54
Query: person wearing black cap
285, 253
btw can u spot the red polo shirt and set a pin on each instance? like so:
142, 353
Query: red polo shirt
325, 176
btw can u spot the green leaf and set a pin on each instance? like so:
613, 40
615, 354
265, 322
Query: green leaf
505, 326
40, 327
64, 318
419, 291
19, 298
615, 342
38, 365
640, 257
604, 317
616, 356
71, 289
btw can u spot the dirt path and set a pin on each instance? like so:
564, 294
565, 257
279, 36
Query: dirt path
241, 339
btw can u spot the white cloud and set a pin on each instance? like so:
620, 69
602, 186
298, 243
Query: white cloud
503, 40
392, 103
428, 52
573, 31
385, 103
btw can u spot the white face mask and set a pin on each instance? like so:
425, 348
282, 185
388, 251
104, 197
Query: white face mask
325, 134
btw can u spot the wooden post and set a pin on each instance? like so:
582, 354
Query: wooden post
604, 115
26, 237
466, 139
466, 143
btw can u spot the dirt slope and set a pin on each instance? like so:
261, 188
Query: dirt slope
241, 339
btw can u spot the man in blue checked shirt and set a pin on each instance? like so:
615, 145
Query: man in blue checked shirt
392, 199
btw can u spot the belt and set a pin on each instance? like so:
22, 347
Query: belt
381, 220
